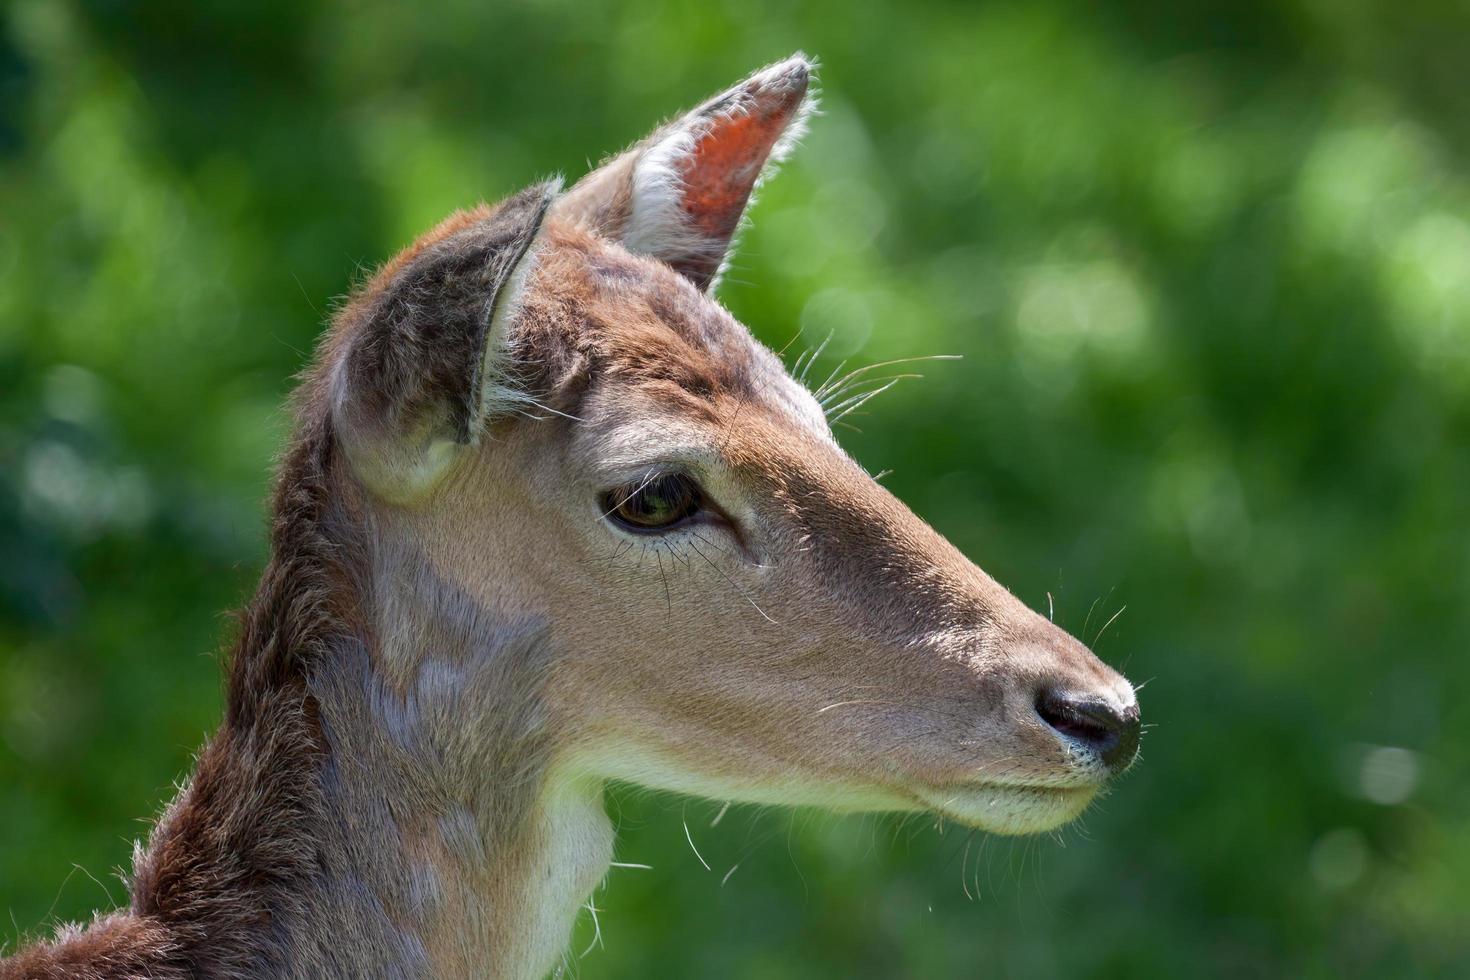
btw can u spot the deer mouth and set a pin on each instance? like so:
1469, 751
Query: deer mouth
1005, 808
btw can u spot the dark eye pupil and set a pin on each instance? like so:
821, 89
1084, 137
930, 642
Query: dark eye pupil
659, 503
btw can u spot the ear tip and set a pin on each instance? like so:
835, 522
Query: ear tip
791, 76
548, 189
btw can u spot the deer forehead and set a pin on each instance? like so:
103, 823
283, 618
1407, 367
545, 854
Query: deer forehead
659, 360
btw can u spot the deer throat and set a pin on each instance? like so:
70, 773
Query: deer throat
466, 839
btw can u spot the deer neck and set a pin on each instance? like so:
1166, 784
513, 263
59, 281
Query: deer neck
388, 794
465, 838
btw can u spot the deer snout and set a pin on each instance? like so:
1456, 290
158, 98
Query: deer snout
1095, 721
1074, 698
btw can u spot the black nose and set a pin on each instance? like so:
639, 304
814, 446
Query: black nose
1110, 731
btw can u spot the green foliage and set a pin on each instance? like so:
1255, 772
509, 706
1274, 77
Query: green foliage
1209, 269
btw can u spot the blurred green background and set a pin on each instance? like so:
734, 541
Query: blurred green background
1208, 266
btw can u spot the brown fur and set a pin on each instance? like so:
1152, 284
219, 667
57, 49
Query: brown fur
451, 649
234, 848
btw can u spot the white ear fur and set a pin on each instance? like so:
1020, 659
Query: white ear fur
659, 223
499, 390
680, 195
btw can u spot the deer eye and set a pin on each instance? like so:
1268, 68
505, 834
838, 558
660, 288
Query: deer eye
654, 505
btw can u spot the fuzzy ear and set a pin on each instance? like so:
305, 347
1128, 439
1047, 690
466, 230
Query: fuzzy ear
425, 354
679, 195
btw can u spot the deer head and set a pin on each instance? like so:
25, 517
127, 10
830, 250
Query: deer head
553, 517
543, 404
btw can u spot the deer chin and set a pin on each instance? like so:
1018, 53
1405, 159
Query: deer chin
1002, 808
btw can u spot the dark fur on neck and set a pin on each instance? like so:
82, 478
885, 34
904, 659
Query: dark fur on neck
232, 854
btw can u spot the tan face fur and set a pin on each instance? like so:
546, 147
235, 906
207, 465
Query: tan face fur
803, 637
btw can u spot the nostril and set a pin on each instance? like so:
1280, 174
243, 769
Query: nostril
1110, 731
1070, 721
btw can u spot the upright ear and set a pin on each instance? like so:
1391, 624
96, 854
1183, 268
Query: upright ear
679, 195
423, 355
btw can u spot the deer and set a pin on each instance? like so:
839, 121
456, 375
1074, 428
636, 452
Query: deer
551, 518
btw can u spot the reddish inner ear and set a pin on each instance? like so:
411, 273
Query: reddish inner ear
722, 170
